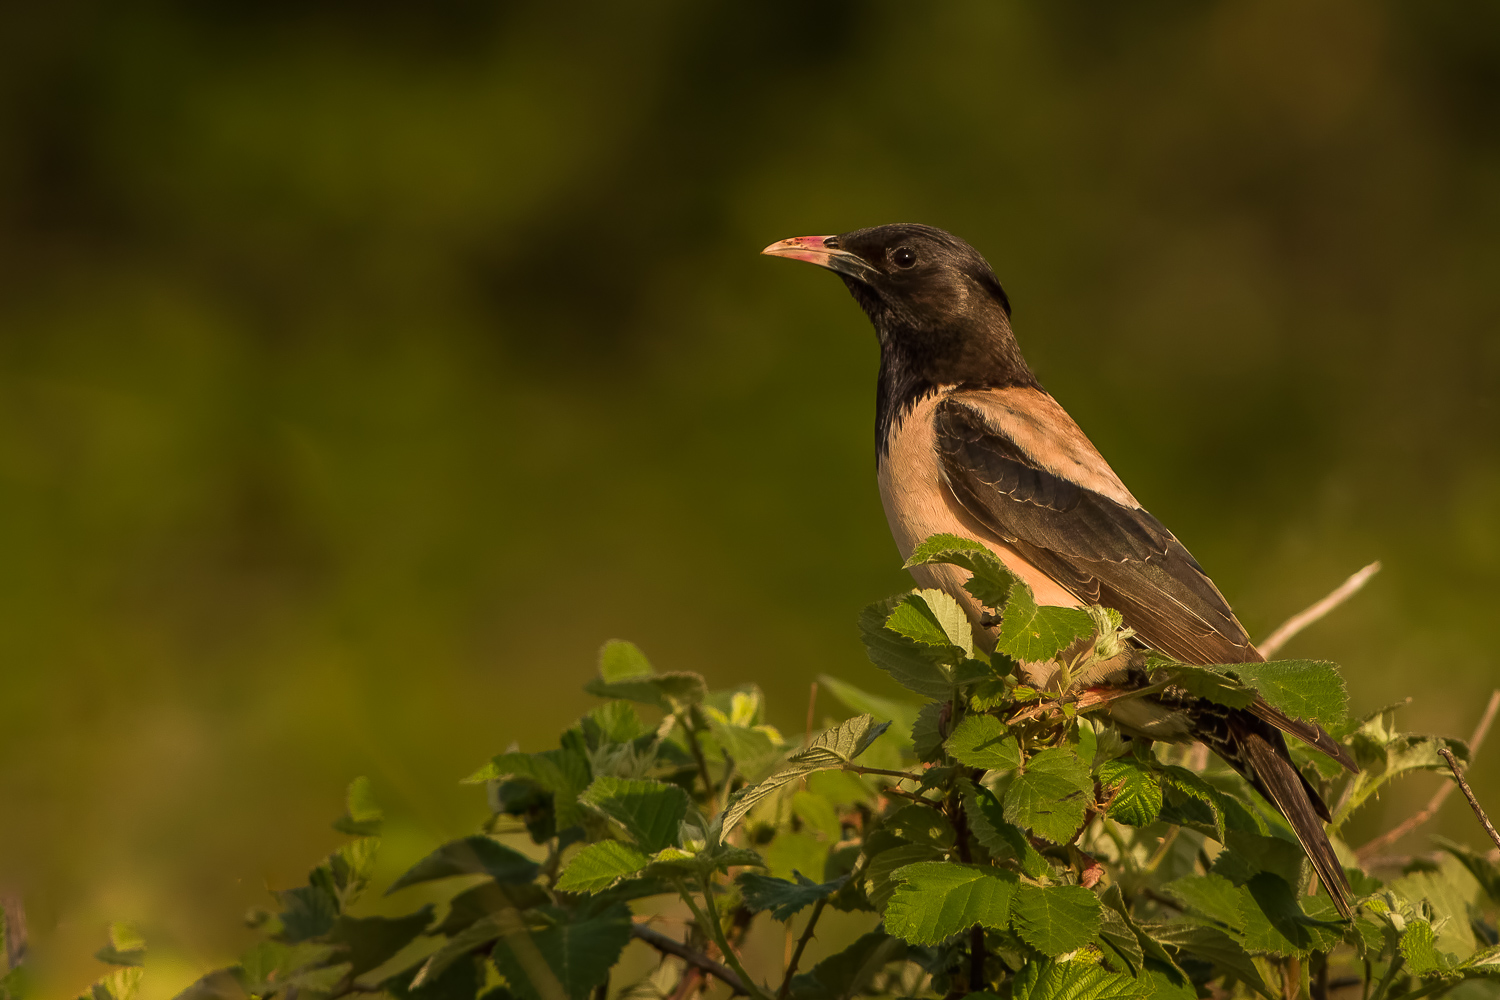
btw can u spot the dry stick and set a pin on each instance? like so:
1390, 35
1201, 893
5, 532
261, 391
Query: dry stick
1302, 619
697, 959
1440, 796
1463, 785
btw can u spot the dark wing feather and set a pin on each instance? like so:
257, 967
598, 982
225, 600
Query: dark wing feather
1100, 550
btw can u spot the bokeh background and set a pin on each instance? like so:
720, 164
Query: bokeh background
363, 366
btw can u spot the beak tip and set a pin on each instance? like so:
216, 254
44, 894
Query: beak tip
813, 249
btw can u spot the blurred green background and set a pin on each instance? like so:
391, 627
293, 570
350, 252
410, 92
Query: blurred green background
363, 366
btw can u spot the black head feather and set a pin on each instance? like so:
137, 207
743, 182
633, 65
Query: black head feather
942, 317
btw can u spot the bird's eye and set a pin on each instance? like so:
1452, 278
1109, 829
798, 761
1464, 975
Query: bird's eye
904, 256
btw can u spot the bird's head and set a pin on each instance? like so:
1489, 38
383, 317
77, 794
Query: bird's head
932, 298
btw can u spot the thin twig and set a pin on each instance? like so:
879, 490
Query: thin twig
907, 775
807, 934
1463, 786
709, 921
697, 959
1302, 619
1440, 796
812, 701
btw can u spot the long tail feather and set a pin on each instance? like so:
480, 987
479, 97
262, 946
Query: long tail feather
1308, 732
1289, 792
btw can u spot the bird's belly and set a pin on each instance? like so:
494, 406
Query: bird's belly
918, 504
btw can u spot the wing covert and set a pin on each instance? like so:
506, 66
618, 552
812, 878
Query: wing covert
1097, 548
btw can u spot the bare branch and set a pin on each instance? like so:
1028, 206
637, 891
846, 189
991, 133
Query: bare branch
1302, 619
697, 959
1438, 797
1463, 785
807, 935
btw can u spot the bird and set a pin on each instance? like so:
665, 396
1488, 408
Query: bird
969, 443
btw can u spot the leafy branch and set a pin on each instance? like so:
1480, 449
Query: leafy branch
992, 832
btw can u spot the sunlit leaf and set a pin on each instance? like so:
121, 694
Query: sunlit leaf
1055, 919
936, 900
1050, 796
984, 741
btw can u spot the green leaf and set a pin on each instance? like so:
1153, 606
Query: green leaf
783, 898
1209, 944
832, 748
599, 866
478, 934
1303, 689
307, 911
912, 618
1186, 783
1135, 789
577, 955
1250, 854
914, 666
563, 772
1051, 795
363, 816
1384, 753
489, 897
1419, 948
1116, 934
1276, 925
927, 731
982, 741
460, 981
126, 947
620, 660
1483, 870
880, 880
1032, 632
1079, 977
613, 722
477, 855
900, 714
922, 825
650, 811
1055, 919
270, 965
369, 942
1002, 839
841, 744
933, 618
670, 692
991, 583
936, 900
1214, 896
1205, 682
845, 974
122, 984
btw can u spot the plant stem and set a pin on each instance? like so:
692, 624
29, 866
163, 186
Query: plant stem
696, 959
857, 769
710, 923
1463, 786
1390, 977
686, 719
807, 934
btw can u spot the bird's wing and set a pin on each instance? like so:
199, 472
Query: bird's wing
1015, 461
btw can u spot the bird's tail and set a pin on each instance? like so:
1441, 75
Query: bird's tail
1260, 754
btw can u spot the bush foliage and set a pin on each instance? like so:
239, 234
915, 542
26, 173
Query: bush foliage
1003, 840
